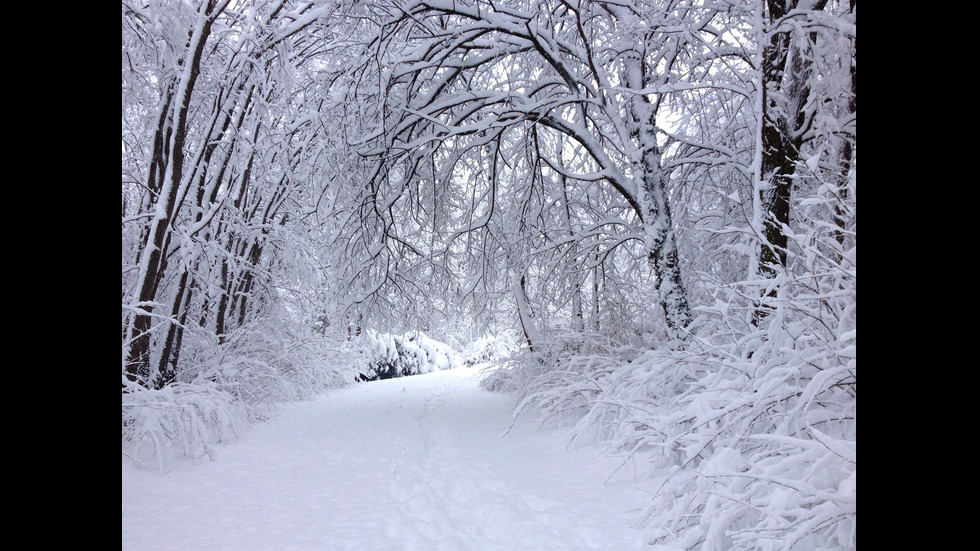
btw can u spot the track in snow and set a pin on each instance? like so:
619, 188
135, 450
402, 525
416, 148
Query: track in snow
416, 463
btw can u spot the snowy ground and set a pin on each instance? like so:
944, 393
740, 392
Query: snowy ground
415, 463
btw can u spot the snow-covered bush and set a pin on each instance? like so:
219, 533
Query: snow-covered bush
438, 355
178, 421
223, 386
751, 424
386, 356
756, 454
377, 356
520, 369
489, 349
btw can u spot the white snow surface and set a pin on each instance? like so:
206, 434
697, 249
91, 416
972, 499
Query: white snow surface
427, 462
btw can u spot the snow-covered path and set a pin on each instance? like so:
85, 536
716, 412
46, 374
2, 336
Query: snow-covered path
415, 463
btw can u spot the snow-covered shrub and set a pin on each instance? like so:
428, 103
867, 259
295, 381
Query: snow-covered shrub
226, 385
439, 355
521, 370
377, 355
385, 356
751, 427
178, 421
497, 352
755, 455
489, 349
412, 358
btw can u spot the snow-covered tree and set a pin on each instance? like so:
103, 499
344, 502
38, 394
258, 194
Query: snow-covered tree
220, 146
477, 99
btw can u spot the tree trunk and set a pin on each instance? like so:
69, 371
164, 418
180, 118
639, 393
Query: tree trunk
152, 255
595, 299
524, 313
225, 290
784, 98
577, 320
170, 351
167, 365
656, 217
847, 153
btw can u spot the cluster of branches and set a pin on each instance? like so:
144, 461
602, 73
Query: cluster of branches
561, 137
524, 122
588, 156
217, 144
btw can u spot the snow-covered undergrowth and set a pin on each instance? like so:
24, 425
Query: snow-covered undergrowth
385, 356
753, 428
223, 386
760, 454
489, 349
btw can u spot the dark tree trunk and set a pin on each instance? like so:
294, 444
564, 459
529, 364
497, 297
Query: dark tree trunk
167, 366
138, 358
847, 154
595, 299
778, 155
783, 124
170, 351
219, 322
523, 314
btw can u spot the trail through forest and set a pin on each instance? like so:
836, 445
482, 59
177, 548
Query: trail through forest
428, 462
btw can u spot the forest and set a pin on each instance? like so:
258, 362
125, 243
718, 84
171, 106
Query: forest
643, 212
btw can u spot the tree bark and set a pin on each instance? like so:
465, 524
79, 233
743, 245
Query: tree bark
785, 92
152, 256
656, 216
847, 153
524, 313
